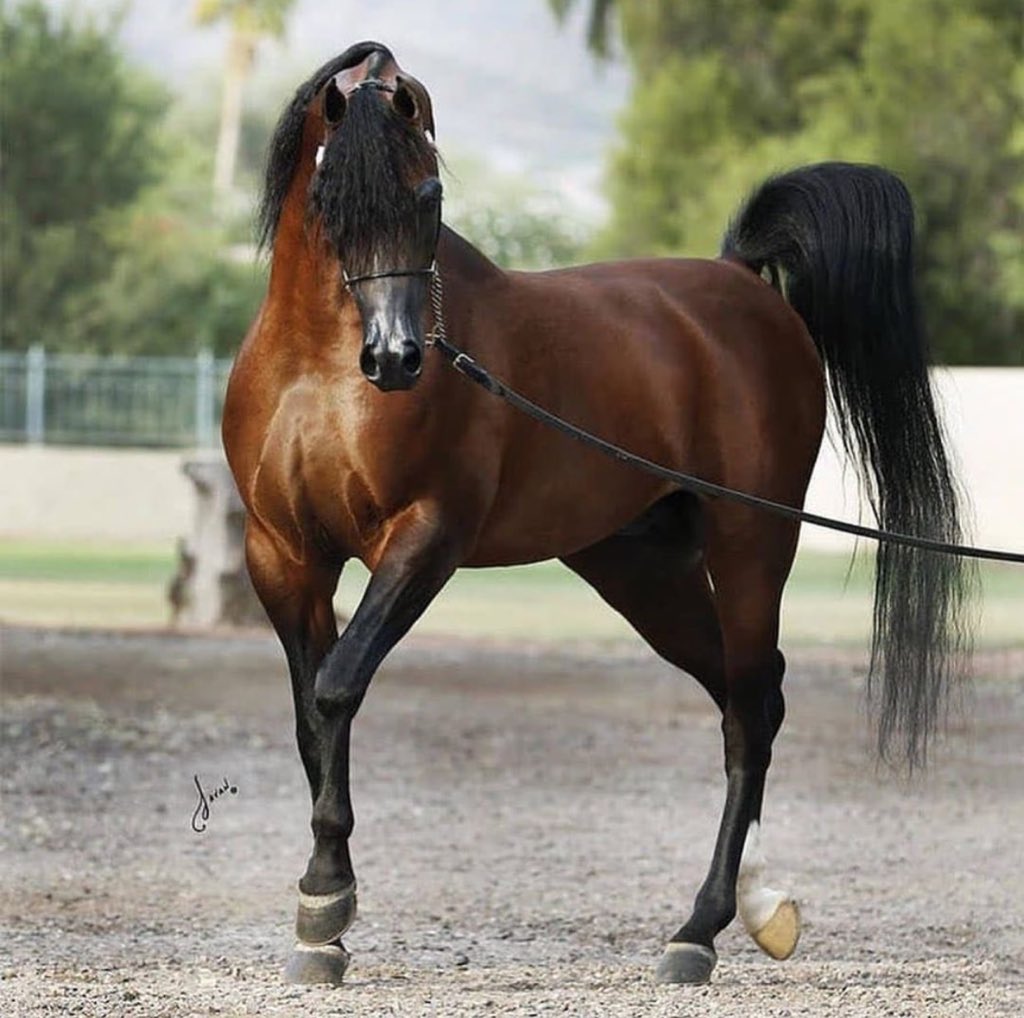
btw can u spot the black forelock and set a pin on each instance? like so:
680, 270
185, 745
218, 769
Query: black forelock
286, 142
361, 192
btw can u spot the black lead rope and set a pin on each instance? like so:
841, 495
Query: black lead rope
465, 364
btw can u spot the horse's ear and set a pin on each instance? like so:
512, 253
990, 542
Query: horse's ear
405, 103
334, 104
412, 102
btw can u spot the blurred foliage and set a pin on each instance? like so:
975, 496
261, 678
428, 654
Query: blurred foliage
252, 17
598, 22
76, 126
516, 223
249, 21
726, 92
108, 240
174, 284
112, 240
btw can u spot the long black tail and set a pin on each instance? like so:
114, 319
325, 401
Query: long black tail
839, 239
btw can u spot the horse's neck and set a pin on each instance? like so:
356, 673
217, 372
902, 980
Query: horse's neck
305, 286
457, 257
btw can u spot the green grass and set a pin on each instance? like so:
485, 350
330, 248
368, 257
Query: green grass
826, 602
86, 562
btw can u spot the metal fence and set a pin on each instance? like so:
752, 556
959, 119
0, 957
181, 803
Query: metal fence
83, 399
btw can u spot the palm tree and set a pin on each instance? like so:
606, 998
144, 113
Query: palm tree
249, 21
598, 22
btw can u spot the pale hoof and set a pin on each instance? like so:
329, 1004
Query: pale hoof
324, 964
685, 963
778, 937
324, 918
772, 918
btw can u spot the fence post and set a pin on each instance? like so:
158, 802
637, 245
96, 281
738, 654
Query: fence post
35, 395
204, 400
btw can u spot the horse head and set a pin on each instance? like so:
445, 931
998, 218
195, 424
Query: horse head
359, 138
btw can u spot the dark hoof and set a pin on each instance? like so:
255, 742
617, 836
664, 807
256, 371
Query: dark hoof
324, 918
324, 964
686, 963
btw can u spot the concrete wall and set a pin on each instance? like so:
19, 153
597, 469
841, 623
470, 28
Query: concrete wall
96, 494
983, 412
56, 493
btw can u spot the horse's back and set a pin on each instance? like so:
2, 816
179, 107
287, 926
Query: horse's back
704, 345
721, 304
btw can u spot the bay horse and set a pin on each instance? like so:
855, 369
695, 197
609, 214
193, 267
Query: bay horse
349, 438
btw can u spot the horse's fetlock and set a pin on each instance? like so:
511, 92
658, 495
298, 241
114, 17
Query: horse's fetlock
328, 828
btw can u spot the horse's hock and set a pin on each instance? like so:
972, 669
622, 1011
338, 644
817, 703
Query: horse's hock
211, 586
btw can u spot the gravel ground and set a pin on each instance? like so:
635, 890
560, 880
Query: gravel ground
530, 827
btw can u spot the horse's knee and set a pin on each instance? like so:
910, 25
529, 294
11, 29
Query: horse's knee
336, 692
336, 695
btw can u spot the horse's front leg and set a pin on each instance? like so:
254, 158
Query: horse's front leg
415, 563
297, 594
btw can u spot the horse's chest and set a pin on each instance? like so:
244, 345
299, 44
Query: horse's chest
307, 483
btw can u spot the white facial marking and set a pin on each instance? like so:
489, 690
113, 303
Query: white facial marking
755, 903
319, 154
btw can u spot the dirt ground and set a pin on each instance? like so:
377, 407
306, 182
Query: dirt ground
531, 826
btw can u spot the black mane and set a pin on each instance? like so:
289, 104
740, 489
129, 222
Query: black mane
286, 143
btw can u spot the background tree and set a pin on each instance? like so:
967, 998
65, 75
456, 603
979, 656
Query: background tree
78, 129
249, 21
514, 221
174, 283
726, 92
107, 241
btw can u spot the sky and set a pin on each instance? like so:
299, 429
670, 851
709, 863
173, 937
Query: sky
509, 85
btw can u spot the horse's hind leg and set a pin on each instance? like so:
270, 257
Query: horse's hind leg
654, 574
749, 568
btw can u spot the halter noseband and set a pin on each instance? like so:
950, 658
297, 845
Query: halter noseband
439, 333
431, 271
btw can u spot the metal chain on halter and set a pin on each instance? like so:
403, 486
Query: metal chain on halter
439, 334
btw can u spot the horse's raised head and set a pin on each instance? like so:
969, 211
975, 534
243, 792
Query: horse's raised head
358, 140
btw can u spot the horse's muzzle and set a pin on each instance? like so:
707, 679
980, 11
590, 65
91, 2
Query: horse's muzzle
392, 366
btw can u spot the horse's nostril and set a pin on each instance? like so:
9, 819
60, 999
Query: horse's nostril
412, 360
368, 363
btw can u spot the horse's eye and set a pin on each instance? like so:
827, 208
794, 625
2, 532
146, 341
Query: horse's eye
428, 192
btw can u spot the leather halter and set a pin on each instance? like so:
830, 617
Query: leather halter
438, 335
431, 271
